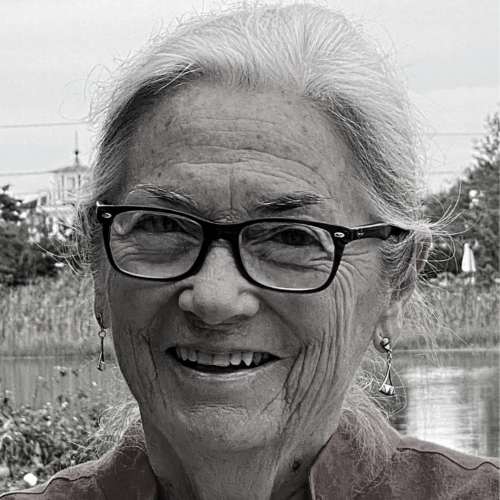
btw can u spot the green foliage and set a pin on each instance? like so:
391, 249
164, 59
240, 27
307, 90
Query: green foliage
27, 245
474, 204
46, 440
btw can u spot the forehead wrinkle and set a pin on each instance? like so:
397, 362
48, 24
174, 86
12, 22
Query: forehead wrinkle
278, 136
282, 145
245, 157
288, 200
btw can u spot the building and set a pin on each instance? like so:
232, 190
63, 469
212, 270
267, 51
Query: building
67, 183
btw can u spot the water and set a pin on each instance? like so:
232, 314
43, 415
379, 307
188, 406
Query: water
455, 404
35, 381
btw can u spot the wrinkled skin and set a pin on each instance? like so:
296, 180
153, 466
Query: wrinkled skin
236, 437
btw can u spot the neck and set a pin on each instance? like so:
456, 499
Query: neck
265, 474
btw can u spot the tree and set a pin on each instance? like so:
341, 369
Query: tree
474, 204
27, 249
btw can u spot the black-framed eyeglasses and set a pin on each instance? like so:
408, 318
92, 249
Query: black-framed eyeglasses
284, 254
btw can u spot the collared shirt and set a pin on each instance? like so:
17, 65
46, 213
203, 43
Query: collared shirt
416, 470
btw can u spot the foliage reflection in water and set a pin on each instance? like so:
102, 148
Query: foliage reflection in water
454, 402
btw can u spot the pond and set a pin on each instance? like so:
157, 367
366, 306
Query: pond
454, 402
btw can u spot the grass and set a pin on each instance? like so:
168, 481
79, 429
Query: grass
50, 317
462, 316
54, 317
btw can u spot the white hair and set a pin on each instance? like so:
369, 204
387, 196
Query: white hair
301, 49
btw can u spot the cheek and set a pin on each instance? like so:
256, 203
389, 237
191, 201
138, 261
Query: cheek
358, 306
335, 328
135, 303
135, 307
136, 365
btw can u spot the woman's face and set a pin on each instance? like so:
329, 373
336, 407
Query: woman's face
224, 156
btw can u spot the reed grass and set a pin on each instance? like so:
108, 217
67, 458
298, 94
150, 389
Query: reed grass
50, 317
54, 317
460, 316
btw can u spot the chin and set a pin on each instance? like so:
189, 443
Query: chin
221, 429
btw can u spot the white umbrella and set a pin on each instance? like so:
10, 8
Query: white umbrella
468, 262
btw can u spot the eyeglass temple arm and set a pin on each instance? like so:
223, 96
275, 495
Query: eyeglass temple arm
382, 231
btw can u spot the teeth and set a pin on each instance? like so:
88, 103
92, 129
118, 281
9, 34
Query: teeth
222, 359
234, 358
247, 357
204, 358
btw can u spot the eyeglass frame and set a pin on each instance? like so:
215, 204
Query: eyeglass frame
230, 232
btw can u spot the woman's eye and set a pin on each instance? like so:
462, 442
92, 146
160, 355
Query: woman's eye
157, 224
295, 237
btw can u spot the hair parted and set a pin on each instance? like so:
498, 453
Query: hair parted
301, 49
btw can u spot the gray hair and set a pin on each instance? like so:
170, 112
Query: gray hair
305, 50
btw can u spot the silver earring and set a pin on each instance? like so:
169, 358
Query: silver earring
387, 387
101, 364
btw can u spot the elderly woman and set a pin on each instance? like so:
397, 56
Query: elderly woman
254, 227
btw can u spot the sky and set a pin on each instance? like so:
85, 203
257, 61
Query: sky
53, 53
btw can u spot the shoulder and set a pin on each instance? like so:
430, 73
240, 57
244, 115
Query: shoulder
381, 464
420, 469
123, 472
462, 461
75, 482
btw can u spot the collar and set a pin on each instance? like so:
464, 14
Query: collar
342, 466
346, 467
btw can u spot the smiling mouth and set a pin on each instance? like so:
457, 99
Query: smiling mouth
219, 363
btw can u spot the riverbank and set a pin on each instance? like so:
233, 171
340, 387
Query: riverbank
54, 317
459, 317
66, 418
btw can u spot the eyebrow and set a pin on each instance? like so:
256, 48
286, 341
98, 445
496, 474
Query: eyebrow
289, 201
264, 207
173, 197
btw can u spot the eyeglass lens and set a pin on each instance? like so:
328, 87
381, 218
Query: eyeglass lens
275, 254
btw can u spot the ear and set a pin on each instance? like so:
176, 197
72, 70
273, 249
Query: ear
101, 306
389, 325
391, 321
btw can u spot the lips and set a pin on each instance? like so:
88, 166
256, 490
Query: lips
220, 362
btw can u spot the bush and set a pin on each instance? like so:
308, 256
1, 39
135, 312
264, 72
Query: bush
472, 208
46, 440
32, 242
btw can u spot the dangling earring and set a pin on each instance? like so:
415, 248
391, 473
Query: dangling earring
387, 387
101, 364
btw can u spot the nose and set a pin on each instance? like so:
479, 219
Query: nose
218, 293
